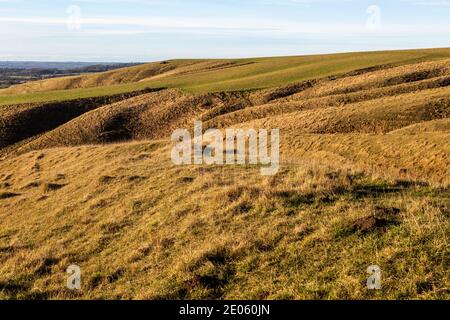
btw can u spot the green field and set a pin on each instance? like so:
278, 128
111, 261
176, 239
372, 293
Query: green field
242, 74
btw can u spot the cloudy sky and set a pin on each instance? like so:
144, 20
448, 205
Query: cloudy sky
148, 30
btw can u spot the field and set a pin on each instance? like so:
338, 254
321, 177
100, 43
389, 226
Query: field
17, 72
203, 76
86, 178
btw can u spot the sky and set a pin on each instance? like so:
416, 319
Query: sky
152, 30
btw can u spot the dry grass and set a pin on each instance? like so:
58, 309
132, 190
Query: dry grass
140, 227
21, 122
374, 104
364, 181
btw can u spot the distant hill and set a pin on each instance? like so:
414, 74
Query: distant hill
14, 73
212, 75
57, 65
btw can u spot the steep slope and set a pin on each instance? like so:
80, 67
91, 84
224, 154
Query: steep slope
149, 116
441, 125
373, 116
19, 122
375, 103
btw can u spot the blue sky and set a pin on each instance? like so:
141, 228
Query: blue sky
148, 30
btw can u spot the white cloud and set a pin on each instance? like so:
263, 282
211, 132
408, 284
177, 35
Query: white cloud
216, 25
431, 3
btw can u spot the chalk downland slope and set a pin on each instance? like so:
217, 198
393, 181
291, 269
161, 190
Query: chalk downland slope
364, 180
202, 76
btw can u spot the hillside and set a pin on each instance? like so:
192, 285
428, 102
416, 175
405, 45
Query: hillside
202, 76
364, 180
18, 72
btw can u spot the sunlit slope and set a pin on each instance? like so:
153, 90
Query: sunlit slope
212, 75
370, 102
364, 180
142, 228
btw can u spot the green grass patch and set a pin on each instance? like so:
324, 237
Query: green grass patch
245, 74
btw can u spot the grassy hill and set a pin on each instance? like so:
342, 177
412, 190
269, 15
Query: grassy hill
364, 180
211, 75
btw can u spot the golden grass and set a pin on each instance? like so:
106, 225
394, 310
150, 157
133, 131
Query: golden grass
140, 227
364, 180
374, 103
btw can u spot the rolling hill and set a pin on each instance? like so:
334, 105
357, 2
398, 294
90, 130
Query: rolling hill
86, 178
202, 76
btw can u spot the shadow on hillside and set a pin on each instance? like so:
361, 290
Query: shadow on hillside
33, 119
